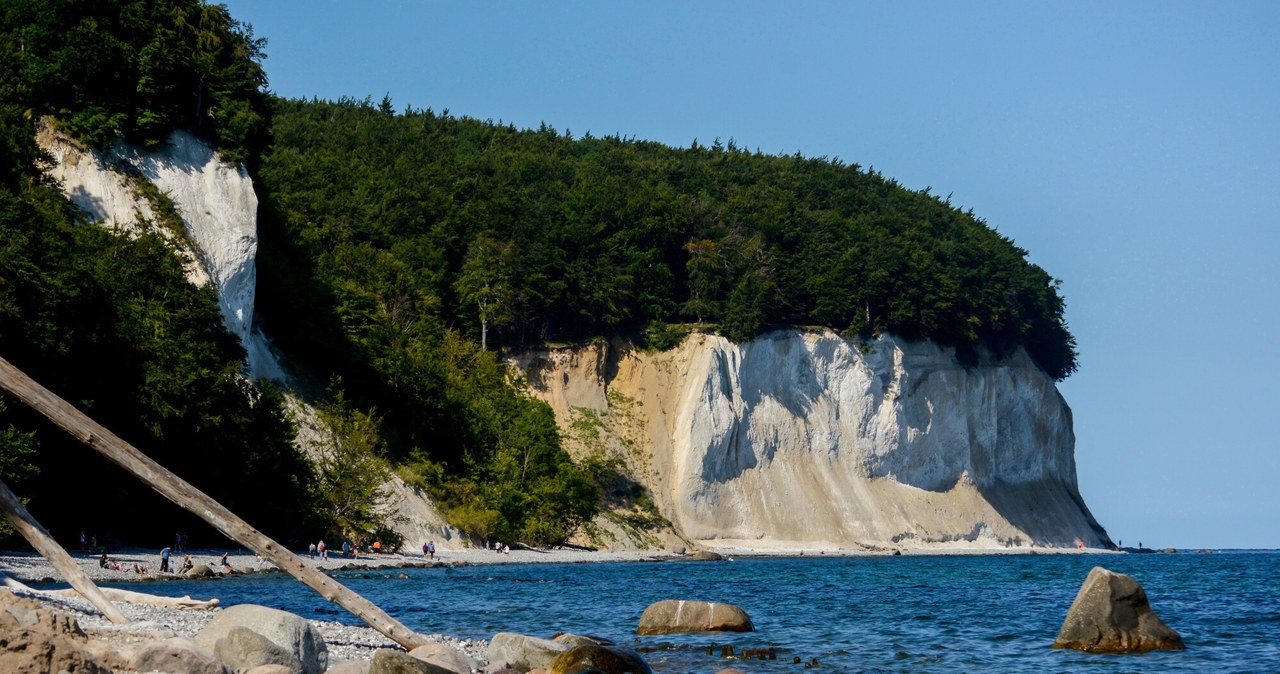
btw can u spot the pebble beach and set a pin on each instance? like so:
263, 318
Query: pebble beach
345, 642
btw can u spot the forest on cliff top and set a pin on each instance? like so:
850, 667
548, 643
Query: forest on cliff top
401, 252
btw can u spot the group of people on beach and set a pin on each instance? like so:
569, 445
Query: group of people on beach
105, 562
349, 549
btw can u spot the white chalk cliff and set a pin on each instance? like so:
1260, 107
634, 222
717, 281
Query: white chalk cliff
215, 199
219, 211
805, 441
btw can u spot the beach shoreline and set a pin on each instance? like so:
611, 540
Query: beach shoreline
30, 567
344, 641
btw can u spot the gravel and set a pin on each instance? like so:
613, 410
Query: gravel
345, 642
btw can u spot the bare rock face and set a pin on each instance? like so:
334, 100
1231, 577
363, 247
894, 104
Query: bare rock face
1111, 615
215, 199
34, 640
806, 440
674, 615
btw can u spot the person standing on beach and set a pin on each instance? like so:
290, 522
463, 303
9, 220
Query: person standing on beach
164, 560
324, 554
313, 550
431, 549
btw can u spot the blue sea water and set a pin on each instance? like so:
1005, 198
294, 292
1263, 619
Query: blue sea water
860, 614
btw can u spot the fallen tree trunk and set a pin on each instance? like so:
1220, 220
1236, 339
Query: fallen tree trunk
185, 495
40, 539
115, 594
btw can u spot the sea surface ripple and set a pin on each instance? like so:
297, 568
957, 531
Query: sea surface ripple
851, 614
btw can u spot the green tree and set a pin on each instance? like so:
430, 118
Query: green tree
351, 472
487, 280
706, 270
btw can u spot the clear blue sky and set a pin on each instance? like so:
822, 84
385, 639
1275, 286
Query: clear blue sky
1133, 148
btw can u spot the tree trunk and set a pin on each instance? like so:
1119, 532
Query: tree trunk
182, 493
131, 597
40, 539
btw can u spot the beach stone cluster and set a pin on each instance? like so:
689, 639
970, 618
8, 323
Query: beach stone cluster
243, 639
1111, 614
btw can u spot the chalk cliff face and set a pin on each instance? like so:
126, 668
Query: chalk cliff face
803, 440
219, 211
215, 199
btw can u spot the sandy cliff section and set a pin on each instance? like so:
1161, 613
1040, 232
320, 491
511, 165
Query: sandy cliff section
804, 441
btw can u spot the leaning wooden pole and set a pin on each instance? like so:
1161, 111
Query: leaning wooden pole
39, 538
182, 493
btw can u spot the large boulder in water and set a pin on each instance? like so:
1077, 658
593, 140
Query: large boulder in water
523, 652
1111, 615
674, 615
598, 657
293, 633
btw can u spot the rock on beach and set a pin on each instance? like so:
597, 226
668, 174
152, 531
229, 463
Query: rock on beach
523, 652
294, 636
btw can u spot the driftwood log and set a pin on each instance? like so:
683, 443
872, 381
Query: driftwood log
131, 597
115, 594
39, 538
187, 496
